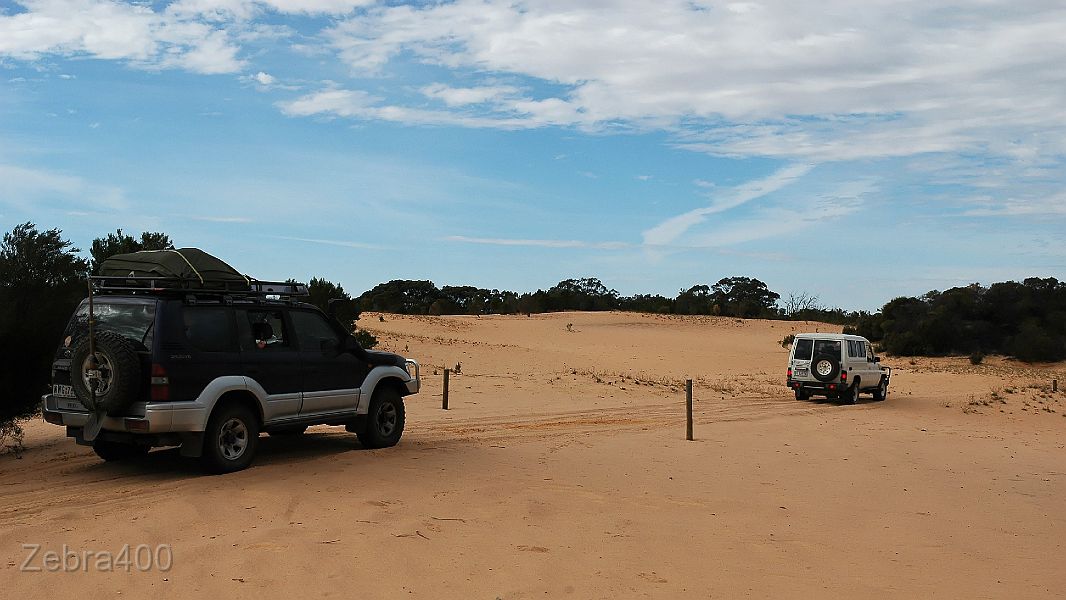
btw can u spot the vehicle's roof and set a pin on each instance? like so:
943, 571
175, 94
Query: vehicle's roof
831, 336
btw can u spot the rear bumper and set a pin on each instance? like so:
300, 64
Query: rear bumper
142, 417
817, 387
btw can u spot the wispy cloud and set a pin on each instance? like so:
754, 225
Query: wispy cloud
341, 243
668, 231
539, 243
1055, 205
28, 188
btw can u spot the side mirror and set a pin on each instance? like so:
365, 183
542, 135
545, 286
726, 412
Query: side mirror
877, 359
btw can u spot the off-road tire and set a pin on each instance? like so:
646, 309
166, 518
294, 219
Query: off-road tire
851, 395
384, 420
231, 439
825, 367
116, 451
882, 391
120, 370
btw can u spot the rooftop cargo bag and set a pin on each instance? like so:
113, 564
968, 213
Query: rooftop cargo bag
190, 268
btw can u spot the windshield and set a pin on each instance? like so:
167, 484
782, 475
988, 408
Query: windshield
133, 319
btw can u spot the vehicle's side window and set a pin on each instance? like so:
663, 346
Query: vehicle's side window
856, 349
803, 349
312, 329
268, 329
869, 352
210, 328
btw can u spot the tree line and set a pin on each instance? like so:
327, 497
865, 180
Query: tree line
42, 279
731, 296
1025, 320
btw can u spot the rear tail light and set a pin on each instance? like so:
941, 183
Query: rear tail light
790, 372
160, 391
843, 377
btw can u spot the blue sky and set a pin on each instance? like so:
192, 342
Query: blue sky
854, 151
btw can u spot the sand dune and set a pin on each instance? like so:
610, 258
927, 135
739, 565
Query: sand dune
562, 470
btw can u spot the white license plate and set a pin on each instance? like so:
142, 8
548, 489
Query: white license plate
62, 391
801, 372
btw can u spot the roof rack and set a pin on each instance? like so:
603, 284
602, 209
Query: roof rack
179, 286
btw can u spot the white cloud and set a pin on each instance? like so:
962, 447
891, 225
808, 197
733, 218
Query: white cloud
358, 104
264, 78
247, 9
837, 202
668, 231
108, 29
825, 81
452, 96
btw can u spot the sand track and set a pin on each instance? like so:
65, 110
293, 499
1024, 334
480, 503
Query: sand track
561, 470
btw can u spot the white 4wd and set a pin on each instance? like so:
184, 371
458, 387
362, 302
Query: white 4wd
836, 365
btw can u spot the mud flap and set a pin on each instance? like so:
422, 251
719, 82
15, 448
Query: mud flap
92, 427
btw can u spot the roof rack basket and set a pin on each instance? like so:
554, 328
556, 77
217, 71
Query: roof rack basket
181, 286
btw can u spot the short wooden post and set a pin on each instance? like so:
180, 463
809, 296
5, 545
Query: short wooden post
688, 409
444, 403
1054, 385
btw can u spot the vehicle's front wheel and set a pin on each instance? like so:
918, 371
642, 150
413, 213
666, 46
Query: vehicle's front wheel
384, 421
882, 391
231, 439
851, 395
114, 451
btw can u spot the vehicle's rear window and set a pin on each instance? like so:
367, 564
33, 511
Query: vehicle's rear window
133, 320
803, 349
830, 347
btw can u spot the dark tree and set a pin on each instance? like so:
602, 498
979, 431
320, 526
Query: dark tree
120, 243
743, 297
696, 300
400, 296
582, 294
321, 291
41, 281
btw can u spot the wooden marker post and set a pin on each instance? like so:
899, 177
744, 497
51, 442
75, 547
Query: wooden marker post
1054, 385
444, 402
688, 409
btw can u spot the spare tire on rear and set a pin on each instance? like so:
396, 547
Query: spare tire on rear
825, 367
119, 373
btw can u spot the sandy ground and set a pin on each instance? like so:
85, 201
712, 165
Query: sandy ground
561, 470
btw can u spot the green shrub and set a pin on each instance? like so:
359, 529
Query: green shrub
977, 357
365, 338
